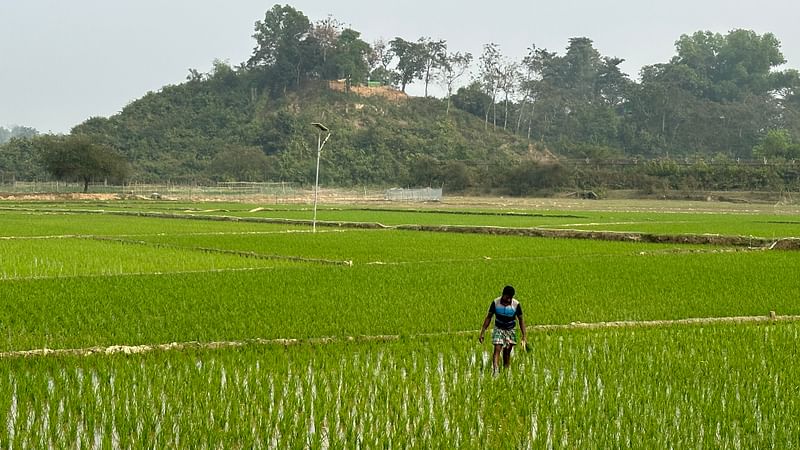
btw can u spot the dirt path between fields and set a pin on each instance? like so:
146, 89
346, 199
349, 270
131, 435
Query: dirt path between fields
136, 349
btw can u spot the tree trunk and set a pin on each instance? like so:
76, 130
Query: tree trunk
505, 118
519, 116
85, 185
494, 110
530, 119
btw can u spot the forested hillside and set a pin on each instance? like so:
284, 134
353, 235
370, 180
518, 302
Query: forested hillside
223, 128
719, 95
518, 125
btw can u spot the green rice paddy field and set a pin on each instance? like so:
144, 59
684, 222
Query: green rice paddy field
367, 337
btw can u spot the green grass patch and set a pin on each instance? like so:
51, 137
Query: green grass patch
392, 246
14, 224
319, 301
73, 257
721, 386
657, 220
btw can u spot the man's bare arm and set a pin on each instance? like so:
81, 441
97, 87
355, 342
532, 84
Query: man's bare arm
486, 323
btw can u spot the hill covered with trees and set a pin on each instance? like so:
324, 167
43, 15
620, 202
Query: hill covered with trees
221, 128
541, 122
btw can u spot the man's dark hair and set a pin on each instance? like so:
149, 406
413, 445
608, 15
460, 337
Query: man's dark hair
509, 291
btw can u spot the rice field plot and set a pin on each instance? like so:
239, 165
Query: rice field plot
397, 246
658, 219
756, 225
514, 218
74, 257
428, 383
722, 386
27, 224
314, 300
760, 224
339, 214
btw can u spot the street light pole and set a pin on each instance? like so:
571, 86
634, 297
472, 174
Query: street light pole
320, 143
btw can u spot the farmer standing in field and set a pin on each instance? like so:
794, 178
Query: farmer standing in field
506, 310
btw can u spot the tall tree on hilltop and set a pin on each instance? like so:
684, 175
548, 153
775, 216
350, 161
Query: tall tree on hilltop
729, 67
379, 59
508, 76
578, 70
577, 97
349, 59
612, 84
454, 67
285, 49
718, 94
326, 33
433, 56
533, 88
489, 76
472, 99
410, 61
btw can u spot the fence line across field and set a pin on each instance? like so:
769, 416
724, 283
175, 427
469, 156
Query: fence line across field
134, 349
414, 195
147, 189
279, 192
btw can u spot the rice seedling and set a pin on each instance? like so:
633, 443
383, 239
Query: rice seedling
694, 386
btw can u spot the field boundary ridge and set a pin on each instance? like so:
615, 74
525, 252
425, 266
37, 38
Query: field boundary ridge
196, 345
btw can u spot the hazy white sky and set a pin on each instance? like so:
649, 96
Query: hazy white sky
63, 61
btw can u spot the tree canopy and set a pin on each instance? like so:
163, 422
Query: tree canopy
79, 158
16, 132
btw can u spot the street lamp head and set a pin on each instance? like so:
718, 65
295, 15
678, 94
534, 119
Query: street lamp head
320, 126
